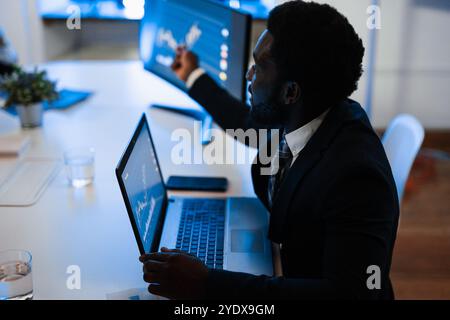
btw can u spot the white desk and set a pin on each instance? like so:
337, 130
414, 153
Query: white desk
90, 227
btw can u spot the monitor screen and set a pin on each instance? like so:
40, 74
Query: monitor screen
144, 187
218, 34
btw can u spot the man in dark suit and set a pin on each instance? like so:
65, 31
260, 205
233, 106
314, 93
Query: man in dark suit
333, 202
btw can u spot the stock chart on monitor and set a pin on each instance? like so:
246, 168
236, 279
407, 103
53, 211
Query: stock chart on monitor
219, 35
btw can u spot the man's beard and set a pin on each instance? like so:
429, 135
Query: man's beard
269, 114
269, 111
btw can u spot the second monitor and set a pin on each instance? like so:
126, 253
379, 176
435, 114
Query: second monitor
218, 34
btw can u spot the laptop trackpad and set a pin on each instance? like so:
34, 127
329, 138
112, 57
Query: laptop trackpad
251, 241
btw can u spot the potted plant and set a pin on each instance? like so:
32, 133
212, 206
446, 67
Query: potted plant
27, 91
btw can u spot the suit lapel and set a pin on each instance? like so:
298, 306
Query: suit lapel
307, 159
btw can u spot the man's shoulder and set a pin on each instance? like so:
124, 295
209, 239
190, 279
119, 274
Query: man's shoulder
356, 132
356, 145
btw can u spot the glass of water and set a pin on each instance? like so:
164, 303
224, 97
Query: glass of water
16, 281
80, 166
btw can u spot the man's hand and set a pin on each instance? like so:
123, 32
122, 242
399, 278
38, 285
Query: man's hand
174, 274
184, 63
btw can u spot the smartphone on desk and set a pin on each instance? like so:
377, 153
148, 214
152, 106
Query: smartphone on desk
187, 183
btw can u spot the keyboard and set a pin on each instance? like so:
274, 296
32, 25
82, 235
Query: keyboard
26, 182
202, 230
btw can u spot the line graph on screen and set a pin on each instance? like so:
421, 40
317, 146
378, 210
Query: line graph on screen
166, 37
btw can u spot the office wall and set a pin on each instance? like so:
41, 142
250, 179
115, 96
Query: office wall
34, 40
110, 32
412, 73
413, 68
16, 24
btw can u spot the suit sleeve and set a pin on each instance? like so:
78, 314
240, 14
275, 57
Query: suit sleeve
359, 222
227, 111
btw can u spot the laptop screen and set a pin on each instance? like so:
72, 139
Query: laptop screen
143, 187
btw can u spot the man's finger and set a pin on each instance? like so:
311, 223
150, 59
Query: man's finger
176, 59
158, 256
176, 62
167, 250
153, 266
181, 48
175, 66
153, 277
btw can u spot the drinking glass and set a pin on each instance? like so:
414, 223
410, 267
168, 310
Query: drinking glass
16, 281
80, 166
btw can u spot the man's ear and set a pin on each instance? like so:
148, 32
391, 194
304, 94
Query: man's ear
291, 92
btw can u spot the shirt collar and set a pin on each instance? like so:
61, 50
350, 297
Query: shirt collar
298, 139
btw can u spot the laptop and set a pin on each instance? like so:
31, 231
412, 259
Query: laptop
225, 233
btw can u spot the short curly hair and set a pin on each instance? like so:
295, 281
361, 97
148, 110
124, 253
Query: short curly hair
317, 47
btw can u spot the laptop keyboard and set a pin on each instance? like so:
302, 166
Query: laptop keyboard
201, 230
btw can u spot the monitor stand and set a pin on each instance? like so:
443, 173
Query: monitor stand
202, 116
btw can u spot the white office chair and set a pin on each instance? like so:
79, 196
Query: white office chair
402, 141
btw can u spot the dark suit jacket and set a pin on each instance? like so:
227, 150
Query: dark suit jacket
336, 212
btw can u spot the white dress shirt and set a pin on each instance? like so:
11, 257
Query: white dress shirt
299, 138
197, 73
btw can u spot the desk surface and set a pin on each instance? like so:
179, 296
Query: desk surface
90, 227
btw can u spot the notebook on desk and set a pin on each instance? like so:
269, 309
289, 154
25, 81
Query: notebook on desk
13, 146
23, 182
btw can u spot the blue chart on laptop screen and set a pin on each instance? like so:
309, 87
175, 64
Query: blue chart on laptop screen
202, 27
144, 188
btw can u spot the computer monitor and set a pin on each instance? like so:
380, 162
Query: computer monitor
218, 34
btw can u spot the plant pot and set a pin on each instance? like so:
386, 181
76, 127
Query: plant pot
30, 116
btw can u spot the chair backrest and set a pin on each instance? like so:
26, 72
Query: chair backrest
402, 141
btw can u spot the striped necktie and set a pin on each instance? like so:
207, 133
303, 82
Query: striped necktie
284, 161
